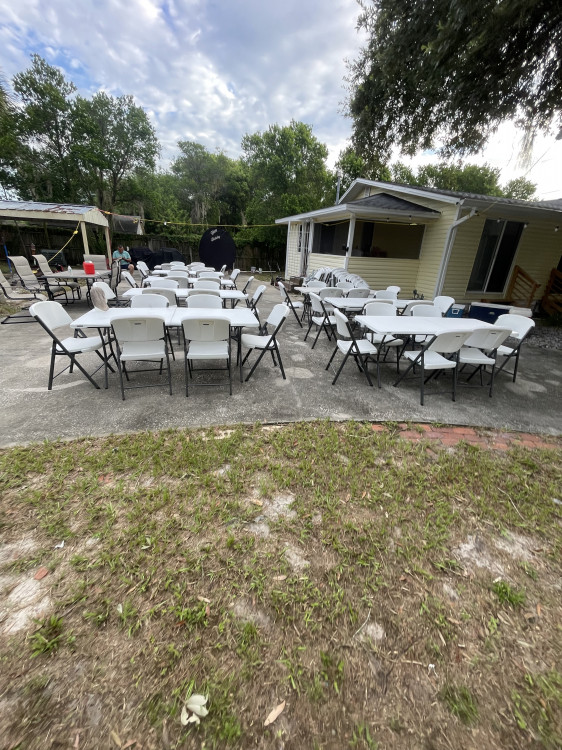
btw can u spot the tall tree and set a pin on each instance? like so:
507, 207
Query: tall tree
451, 71
350, 165
288, 175
38, 165
111, 139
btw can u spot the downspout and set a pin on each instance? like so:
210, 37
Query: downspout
449, 242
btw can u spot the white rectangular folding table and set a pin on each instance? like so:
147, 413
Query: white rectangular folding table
416, 325
232, 295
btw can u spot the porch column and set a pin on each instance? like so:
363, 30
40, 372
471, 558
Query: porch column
350, 235
84, 237
309, 247
107, 243
287, 251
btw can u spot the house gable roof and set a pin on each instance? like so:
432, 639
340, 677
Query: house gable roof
379, 207
448, 196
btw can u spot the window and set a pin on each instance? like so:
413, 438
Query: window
386, 240
330, 239
495, 255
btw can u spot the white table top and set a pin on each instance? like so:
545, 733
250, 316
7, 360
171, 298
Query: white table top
79, 273
166, 271
229, 294
173, 316
347, 303
410, 325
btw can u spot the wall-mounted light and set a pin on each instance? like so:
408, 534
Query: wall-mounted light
556, 229
525, 225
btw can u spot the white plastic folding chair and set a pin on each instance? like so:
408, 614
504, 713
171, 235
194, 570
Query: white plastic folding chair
360, 349
267, 342
479, 351
286, 300
320, 317
520, 327
443, 303
230, 283
380, 308
207, 284
52, 316
143, 269
209, 275
386, 294
165, 291
408, 309
141, 339
209, 301
392, 288
206, 339
360, 292
182, 279
247, 285
430, 357
129, 279
153, 299
345, 285
424, 311
255, 298
111, 298
315, 284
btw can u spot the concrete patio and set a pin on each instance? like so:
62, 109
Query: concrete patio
74, 408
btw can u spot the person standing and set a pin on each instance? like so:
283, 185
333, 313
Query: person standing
124, 258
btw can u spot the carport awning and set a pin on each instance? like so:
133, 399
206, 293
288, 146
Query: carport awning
56, 213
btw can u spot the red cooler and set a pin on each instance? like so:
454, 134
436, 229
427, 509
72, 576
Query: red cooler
89, 267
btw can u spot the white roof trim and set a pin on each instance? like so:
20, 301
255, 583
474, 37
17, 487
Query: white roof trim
90, 215
347, 211
401, 189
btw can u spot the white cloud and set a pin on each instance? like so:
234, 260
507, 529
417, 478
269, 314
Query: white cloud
213, 70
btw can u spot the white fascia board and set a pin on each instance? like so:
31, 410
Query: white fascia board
400, 189
90, 217
349, 210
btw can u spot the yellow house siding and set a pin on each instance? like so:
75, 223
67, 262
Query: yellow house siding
317, 260
382, 272
538, 252
293, 256
432, 250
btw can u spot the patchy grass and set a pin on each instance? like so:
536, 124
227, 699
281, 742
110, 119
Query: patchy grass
392, 596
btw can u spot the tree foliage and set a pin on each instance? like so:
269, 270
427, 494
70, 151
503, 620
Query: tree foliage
450, 71
63, 148
288, 175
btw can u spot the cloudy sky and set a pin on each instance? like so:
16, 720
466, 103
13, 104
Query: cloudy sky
212, 70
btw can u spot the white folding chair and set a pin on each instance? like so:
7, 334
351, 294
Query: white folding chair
386, 294
286, 300
129, 279
209, 301
266, 342
345, 285
360, 292
360, 349
247, 285
162, 282
149, 299
395, 289
209, 275
181, 278
320, 317
207, 284
141, 339
431, 358
408, 309
230, 283
165, 291
253, 302
215, 292
479, 351
111, 298
206, 339
380, 308
443, 303
520, 328
52, 316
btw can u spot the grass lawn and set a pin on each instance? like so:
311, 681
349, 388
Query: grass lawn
378, 593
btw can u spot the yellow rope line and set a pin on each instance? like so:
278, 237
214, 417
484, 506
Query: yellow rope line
65, 244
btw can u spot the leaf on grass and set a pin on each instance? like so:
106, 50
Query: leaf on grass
184, 718
274, 714
257, 502
204, 599
115, 737
279, 578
